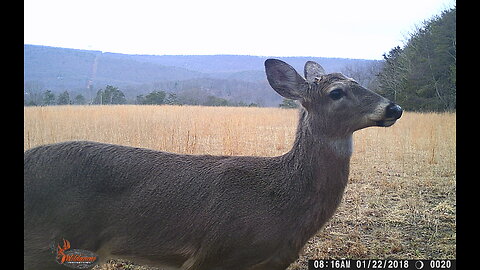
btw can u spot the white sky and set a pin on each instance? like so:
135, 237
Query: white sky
322, 28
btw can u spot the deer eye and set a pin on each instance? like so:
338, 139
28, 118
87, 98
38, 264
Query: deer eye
336, 94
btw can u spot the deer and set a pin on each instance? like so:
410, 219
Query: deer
196, 212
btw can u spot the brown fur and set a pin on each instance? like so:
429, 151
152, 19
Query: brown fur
199, 211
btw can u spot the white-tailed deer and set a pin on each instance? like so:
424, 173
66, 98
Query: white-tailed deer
202, 211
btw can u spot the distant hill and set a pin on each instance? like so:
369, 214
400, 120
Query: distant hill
233, 77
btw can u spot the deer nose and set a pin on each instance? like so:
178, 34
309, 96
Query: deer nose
393, 111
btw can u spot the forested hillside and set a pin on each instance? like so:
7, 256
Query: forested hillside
422, 75
235, 79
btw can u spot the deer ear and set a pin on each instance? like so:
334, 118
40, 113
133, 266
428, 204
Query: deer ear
284, 79
313, 70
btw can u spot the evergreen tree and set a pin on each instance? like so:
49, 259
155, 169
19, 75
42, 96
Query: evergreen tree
172, 99
155, 97
63, 98
288, 103
48, 98
111, 95
422, 75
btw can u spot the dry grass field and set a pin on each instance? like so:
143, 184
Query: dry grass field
400, 201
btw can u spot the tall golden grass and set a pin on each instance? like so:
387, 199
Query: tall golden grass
179, 129
400, 201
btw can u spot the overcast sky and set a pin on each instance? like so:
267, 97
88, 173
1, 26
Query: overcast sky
322, 28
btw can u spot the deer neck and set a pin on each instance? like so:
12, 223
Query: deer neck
319, 162
313, 144
317, 169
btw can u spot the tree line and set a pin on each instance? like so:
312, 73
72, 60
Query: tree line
421, 76
111, 95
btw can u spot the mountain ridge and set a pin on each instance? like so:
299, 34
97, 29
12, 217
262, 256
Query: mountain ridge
86, 71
